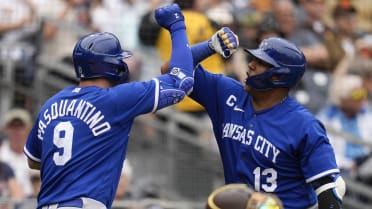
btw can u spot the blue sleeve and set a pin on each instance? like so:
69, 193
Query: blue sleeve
175, 85
135, 98
181, 53
317, 155
32, 148
201, 51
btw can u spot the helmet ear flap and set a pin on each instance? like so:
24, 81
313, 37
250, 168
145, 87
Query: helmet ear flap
123, 72
280, 77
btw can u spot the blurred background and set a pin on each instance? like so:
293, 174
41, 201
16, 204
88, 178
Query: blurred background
172, 159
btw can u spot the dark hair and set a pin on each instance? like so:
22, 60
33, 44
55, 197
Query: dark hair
185, 4
342, 10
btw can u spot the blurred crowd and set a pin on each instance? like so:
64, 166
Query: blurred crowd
335, 36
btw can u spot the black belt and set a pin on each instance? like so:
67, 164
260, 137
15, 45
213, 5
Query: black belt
76, 203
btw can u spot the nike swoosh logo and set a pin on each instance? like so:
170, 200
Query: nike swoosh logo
238, 109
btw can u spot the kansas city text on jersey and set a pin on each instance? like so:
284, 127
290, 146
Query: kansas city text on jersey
81, 109
244, 136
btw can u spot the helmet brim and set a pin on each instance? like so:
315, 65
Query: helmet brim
261, 55
126, 54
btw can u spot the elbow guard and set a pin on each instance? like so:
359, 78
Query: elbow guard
182, 81
334, 182
330, 191
174, 86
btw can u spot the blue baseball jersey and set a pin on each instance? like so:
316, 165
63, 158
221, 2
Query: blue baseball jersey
278, 150
80, 137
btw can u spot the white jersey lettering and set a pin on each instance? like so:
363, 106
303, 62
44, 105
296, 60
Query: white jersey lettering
84, 111
247, 136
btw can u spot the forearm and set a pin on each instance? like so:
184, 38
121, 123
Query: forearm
33, 164
201, 51
181, 56
180, 66
177, 83
326, 200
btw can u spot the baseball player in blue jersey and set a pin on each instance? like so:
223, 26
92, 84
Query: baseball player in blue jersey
267, 139
80, 136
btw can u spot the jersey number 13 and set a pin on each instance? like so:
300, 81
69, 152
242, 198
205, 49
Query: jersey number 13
269, 177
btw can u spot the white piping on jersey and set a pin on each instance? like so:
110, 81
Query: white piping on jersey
30, 155
156, 102
325, 173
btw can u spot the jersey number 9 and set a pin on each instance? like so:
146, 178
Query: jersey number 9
62, 138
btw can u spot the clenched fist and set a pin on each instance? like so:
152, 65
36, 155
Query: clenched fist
170, 17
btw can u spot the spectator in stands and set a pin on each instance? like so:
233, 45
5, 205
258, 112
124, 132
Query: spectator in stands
263, 6
64, 21
340, 40
17, 123
31, 200
347, 113
283, 12
221, 13
248, 20
9, 186
107, 17
36, 183
364, 18
363, 67
311, 92
267, 28
15, 19
309, 34
17, 31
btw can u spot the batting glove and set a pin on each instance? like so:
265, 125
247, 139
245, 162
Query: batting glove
224, 42
170, 17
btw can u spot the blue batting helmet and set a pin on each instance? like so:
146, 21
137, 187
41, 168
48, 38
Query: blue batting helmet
100, 55
287, 61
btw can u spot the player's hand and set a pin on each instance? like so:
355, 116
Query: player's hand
224, 42
170, 17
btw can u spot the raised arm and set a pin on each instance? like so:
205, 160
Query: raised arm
224, 41
178, 81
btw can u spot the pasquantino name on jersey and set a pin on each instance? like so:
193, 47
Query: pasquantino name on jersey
80, 109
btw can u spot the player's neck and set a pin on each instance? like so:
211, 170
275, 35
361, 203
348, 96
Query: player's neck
99, 82
266, 99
